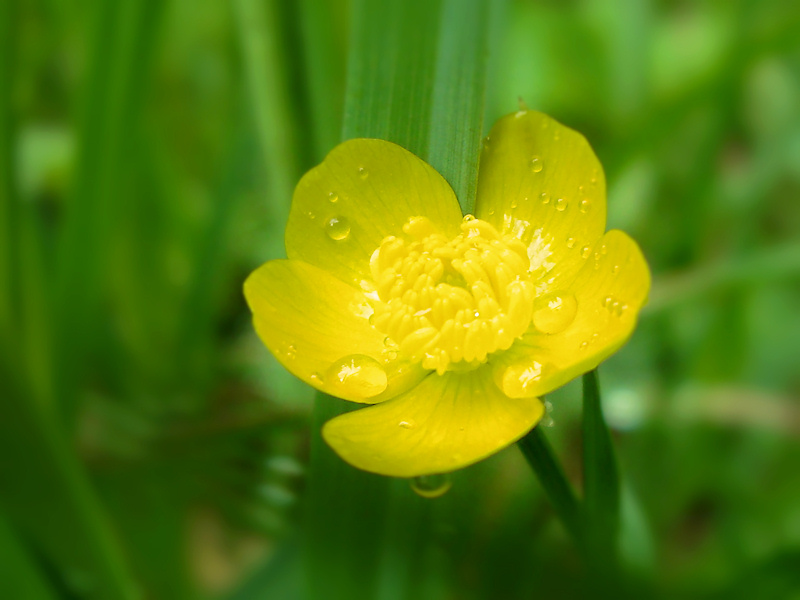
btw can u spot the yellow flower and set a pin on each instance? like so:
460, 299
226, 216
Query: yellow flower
451, 327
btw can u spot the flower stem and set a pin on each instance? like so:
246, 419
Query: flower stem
559, 492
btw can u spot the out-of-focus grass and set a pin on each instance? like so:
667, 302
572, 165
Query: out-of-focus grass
147, 156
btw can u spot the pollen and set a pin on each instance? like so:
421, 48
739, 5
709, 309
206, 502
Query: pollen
450, 303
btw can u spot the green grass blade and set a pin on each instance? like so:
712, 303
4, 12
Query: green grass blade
600, 473
49, 499
557, 488
121, 50
20, 576
8, 187
459, 96
260, 35
399, 73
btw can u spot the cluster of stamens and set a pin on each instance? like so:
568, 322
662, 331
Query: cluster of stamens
449, 303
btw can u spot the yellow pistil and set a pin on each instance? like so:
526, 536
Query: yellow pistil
450, 303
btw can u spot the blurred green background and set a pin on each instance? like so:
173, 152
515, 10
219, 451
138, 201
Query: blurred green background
150, 447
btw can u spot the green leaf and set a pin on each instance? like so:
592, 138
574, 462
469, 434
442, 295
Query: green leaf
557, 488
600, 474
401, 67
20, 576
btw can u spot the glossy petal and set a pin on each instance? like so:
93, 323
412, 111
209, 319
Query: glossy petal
318, 328
445, 423
609, 291
543, 182
364, 191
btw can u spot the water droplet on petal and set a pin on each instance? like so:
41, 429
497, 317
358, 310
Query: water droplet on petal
553, 312
571, 242
291, 351
333, 197
514, 204
338, 228
615, 269
545, 198
363, 173
431, 486
406, 424
584, 345
356, 376
519, 380
536, 164
561, 205
585, 252
584, 206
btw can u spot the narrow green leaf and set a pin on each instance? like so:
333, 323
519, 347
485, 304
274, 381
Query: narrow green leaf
324, 31
400, 70
265, 61
600, 474
459, 96
49, 499
20, 576
557, 488
8, 187
121, 50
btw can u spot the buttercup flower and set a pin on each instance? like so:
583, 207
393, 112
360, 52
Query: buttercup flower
451, 327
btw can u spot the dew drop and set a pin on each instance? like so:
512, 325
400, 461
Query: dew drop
311, 215
363, 173
545, 197
571, 242
584, 206
584, 345
519, 380
585, 252
406, 424
291, 351
431, 486
356, 376
553, 312
514, 204
316, 378
561, 205
547, 421
468, 218
333, 197
615, 269
338, 228
536, 164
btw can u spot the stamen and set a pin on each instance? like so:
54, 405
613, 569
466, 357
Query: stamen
451, 303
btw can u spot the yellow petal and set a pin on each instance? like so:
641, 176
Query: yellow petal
445, 423
542, 181
318, 328
364, 191
605, 299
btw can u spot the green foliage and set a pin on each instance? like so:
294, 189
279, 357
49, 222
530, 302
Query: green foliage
150, 446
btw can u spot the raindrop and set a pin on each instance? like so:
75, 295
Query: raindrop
291, 351
431, 486
363, 173
547, 421
615, 269
545, 197
338, 228
519, 380
561, 205
311, 215
553, 312
514, 204
406, 424
584, 206
316, 378
356, 376
571, 242
333, 197
536, 164
584, 345
468, 218
585, 251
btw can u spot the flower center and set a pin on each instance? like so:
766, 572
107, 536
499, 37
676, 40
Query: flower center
451, 302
